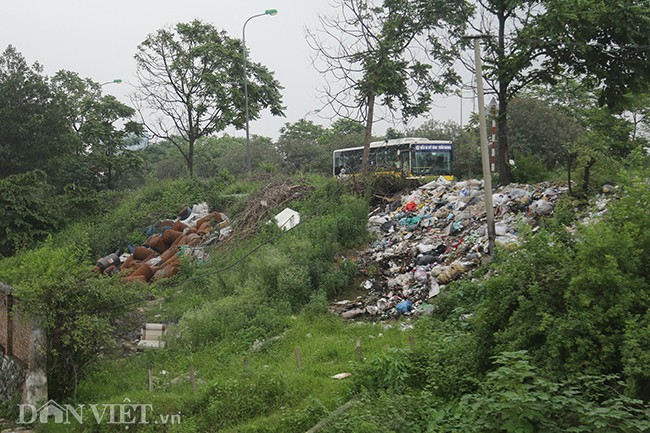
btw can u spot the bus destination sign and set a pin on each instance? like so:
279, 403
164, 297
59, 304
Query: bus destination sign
431, 147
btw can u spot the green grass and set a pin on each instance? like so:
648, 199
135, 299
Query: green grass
270, 393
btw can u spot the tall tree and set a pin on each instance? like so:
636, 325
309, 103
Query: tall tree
537, 41
382, 53
192, 76
101, 126
540, 131
33, 132
302, 146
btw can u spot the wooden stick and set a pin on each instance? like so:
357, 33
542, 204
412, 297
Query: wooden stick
358, 349
193, 378
150, 379
298, 356
333, 415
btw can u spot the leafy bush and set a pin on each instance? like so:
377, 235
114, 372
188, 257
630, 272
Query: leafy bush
387, 371
230, 401
227, 318
80, 310
27, 212
388, 412
572, 303
528, 168
515, 398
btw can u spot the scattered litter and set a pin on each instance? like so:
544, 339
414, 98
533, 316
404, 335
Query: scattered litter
341, 376
152, 335
158, 257
437, 234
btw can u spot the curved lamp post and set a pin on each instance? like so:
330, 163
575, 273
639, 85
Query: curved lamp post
311, 113
270, 12
115, 81
99, 90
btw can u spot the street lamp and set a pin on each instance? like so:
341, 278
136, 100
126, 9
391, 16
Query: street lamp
270, 12
311, 113
115, 81
99, 89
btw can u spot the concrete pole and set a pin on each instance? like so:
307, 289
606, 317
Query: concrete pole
487, 177
35, 390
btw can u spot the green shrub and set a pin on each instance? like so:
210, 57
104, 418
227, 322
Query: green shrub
28, 213
528, 168
388, 412
80, 310
515, 398
237, 318
389, 371
230, 401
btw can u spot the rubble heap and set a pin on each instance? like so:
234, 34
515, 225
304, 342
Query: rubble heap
435, 235
158, 257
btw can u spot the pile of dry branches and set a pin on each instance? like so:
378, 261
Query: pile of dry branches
264, 201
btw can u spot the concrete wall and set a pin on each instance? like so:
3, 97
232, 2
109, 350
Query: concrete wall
12, 378
6, 302
23, 353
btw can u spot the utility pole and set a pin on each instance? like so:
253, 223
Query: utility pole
485, 159
493, 138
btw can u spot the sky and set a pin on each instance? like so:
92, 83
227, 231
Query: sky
98, 39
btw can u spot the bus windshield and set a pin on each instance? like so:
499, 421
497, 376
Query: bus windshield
427, 163
432, 160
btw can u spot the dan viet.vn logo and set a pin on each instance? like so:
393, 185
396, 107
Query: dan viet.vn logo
125, 413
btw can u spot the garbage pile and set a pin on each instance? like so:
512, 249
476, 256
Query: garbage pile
435, 235
158, 257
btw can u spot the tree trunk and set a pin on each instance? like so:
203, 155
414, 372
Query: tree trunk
586, 175
110, 176
190, 158
569, 166
368, 134
503, 164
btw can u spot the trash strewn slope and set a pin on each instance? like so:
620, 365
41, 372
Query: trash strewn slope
158, 257
435, 235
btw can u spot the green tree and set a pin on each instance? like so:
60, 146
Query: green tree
192, 76
344, 126
303, 147
376, 55
229, 153
79, 309
603, 42
603, 138
101, 147
539, 137
27, 213
33, 131
538, 41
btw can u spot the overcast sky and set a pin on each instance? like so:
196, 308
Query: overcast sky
97, 39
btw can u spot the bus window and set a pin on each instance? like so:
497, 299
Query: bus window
404, 162
427, 163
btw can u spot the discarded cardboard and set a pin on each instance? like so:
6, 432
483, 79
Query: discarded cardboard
287, 219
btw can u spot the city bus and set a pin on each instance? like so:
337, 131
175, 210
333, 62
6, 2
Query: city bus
408, 157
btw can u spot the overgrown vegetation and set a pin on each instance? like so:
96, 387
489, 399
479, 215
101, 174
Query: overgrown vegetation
548, 340
549, 337
552, 336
